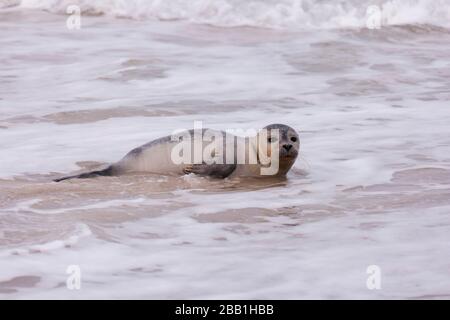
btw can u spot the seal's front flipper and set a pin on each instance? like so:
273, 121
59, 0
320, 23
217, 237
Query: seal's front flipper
213, 170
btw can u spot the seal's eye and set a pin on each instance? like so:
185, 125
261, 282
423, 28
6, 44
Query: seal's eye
271, 139
293, 139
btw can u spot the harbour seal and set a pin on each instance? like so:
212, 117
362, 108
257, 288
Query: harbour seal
206, 152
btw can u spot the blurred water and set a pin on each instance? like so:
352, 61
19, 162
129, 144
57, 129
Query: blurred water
372, 185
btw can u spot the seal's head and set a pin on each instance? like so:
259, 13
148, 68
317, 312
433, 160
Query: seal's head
286, 141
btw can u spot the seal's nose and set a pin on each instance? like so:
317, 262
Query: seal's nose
287, 146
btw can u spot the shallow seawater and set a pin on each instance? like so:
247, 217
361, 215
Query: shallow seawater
371, 185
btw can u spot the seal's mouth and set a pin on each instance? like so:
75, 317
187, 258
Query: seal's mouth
287, 153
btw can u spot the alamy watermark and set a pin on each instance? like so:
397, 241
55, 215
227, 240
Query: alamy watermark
373, 17
206, 146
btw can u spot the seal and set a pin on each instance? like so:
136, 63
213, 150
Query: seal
206, 152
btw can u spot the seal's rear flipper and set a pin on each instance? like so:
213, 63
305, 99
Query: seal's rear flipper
106, 172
